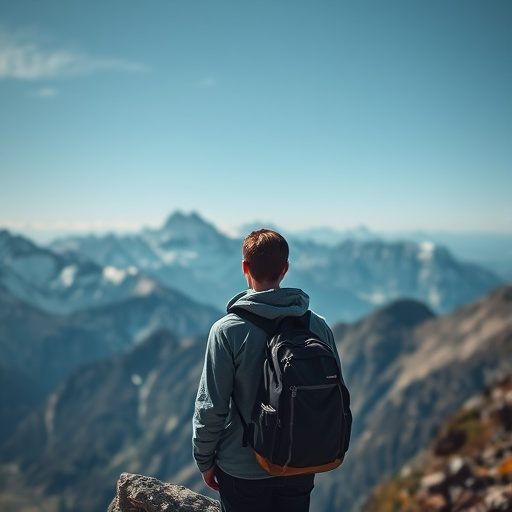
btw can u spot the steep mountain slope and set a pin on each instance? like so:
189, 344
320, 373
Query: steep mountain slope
345, 281
132, 413
406, 370
18, 395
66, 282
371, 347
468, 466
387, 271
38, 349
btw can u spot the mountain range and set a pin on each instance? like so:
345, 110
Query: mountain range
345, 281
102, 340
406, 368
58, 312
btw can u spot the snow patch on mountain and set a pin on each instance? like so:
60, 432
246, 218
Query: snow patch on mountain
67, 275
426, 252
136, 379
183, 258
145, 286
434, 297
114, 275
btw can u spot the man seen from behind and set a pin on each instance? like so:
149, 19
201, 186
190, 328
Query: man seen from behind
232, 369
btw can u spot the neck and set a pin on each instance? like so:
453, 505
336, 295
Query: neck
262, 286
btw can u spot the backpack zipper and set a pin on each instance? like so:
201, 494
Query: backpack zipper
278, 346
294, 390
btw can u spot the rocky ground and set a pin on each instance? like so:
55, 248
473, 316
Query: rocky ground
145, 494
468, 467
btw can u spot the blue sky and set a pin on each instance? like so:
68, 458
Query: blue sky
395, 114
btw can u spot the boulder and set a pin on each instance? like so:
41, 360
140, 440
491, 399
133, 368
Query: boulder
138, 493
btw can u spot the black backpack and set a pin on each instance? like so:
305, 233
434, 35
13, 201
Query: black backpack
301, 419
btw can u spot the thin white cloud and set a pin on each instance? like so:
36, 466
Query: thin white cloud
24, 58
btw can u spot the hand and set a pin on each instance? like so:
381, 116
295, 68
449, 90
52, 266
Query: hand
209, 478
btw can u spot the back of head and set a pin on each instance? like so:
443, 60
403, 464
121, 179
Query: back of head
266, 253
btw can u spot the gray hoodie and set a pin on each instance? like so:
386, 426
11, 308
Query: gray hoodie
233, 366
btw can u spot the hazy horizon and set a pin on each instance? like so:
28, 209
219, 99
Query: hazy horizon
47, 234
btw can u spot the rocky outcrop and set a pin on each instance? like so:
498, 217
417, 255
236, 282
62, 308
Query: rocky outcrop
137, 493
469, 465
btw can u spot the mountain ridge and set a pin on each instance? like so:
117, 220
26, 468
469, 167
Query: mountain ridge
345, 281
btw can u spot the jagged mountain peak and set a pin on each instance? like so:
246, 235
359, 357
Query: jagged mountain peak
180, 220
181, 216
182, 228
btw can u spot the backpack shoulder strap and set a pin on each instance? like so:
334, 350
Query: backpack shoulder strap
244, 423
297, 322
267, 324
270, 326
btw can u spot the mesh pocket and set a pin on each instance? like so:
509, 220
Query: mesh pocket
264, 431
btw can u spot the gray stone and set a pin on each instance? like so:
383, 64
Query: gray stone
138, 493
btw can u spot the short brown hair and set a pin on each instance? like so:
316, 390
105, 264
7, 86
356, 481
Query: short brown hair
266, 254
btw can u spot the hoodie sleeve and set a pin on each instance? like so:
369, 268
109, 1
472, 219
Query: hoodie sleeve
213, 397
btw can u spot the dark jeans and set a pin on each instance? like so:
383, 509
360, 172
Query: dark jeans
276, 494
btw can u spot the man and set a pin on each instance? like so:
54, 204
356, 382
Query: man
232, 368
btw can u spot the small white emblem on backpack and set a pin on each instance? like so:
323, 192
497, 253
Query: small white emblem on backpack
331, 376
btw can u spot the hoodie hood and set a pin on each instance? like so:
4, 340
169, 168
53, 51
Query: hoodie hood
272, 303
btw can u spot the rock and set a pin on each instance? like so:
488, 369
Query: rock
499, 500
434, 482
469, 465
137, 493
506, 414
450, 442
